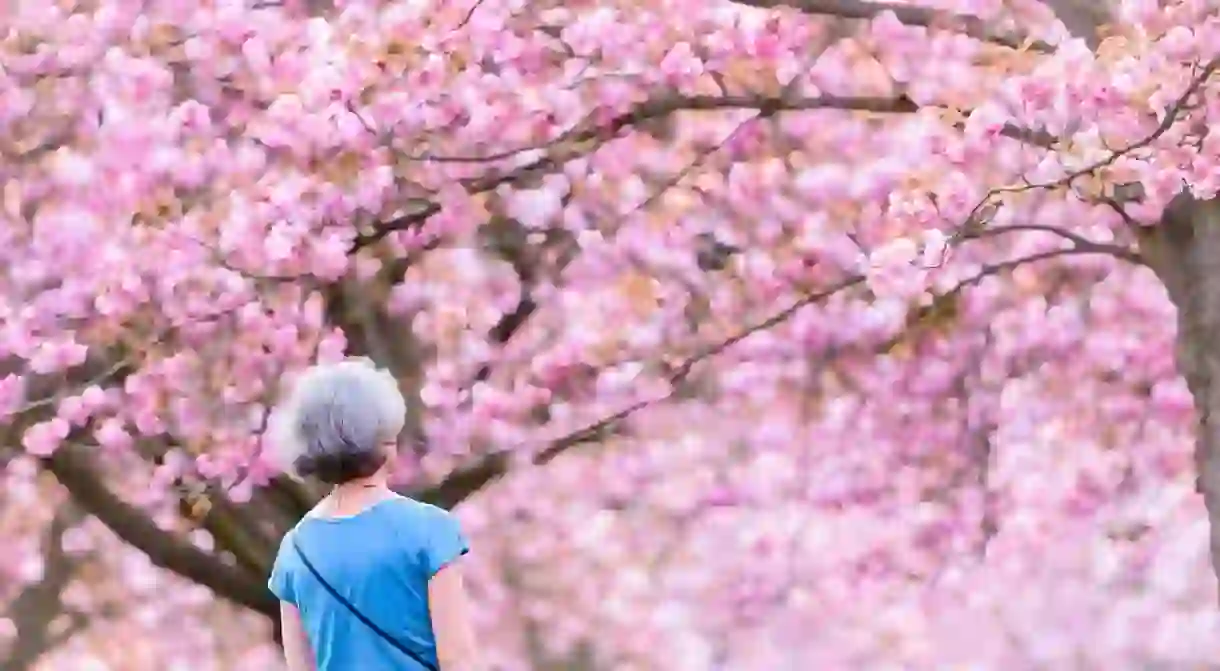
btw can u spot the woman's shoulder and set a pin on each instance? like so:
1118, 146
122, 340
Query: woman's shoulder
415, 509
394, 510
420, 520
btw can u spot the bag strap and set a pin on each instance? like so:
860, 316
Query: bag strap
360, 616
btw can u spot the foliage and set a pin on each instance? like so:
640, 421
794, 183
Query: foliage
755, 334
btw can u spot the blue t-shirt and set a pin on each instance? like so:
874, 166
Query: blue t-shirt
380, 560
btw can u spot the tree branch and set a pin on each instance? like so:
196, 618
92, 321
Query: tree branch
356, 320
236, 529
73, 466
465, 481
509, 240
38, 606
980, 448
1079, 242
588, 137
585, 139
1083, 18
233, 528
911, 15
359, 310
76, 470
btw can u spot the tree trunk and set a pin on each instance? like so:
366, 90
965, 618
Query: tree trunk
1184, 251
39, 607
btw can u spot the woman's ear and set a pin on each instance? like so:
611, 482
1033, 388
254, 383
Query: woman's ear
391, 453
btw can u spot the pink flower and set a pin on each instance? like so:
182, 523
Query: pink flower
112, 435
55, 355
986, 121
42, 439
72, 409
894, 270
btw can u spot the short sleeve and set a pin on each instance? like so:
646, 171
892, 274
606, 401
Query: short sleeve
445, 543
280, 582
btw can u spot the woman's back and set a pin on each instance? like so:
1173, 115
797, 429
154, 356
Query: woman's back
380, 560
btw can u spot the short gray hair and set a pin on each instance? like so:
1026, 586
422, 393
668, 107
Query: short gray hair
336, 420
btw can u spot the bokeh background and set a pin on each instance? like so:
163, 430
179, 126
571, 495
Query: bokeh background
739, 334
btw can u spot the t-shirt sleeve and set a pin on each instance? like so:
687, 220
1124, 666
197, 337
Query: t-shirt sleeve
445, 542
280, 582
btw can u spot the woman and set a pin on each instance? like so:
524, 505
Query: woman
368, 580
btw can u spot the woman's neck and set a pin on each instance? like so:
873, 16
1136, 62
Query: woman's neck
375, 481
352, 497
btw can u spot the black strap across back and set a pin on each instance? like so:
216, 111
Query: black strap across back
361, 616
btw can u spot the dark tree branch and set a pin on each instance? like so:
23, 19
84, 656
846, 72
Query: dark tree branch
76, 469
589, 137
467, 480
507, 238
462, 483
585, 139
37, 608
359, 309
235, 529
981, 449
1083, 18
72, 464
1078, 242
941, 301
573, 144
911, 15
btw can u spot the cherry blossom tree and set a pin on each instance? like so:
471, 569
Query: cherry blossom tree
719, 318
35, 618
73, 596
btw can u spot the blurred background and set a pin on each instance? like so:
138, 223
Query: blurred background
667, 287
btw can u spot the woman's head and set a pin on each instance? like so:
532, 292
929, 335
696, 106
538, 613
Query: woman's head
340, 422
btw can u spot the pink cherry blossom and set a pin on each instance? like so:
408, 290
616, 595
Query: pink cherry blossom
42, 439
742, 334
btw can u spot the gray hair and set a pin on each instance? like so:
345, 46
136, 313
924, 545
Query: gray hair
336, 421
